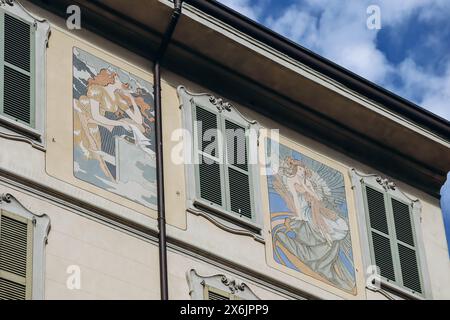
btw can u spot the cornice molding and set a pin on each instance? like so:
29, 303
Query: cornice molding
222, 224
144, 233
197, 67
22, 138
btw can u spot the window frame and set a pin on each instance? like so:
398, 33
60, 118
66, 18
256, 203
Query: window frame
9, 127
390, 191
40, 224
230, 220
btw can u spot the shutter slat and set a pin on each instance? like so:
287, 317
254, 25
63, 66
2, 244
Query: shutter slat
239, 182
403, 225
383, 255
377, 210
209, 170
410, 269
10, 290
13, 246
17, 43
236, 145
17, 88
17, 95
207, 126
210, 181
240, 198
381, 243
216, 296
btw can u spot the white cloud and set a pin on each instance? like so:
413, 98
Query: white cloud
337, 30
244, 7
433, 90
296, 24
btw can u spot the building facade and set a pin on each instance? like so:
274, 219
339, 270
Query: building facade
285, 176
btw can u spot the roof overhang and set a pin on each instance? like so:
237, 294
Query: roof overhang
245, 62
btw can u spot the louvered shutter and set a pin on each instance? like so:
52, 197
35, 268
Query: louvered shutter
393, 239
209, 168
409, 265
17, 69
15, 257
381, 243
223, 173
238, 169
212, 295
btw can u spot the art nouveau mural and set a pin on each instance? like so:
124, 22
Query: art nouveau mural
309, 219
113, 129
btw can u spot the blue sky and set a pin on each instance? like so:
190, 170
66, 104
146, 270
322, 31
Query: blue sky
409, 55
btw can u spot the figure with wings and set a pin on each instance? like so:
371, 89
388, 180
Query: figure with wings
313, 236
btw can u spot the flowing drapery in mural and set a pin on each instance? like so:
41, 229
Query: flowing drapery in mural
113, 129
309, 219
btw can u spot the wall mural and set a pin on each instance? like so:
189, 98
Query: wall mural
113, 129
309, 219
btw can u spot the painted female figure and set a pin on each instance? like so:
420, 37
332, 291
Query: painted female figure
316, 236
109, 110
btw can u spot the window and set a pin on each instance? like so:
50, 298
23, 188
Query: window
23, 41
393, 236
222, 161
22, 240
217, 287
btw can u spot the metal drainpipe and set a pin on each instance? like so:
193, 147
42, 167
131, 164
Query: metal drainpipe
159, 148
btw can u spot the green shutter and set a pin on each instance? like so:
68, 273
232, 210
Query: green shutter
16, 234
17, 69
209, 169
409, 264
239, 184
392, 239
402, 219
379, 232
223, 173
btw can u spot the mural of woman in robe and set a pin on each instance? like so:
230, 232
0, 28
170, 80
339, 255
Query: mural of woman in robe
113, 129
309, 220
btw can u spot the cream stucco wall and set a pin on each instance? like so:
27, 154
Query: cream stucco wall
198, 229
119, 264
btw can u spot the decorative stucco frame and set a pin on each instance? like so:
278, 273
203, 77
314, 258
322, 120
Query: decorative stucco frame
221, 218
383, 184
312, 282
13, 130
41, 225
199, 284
